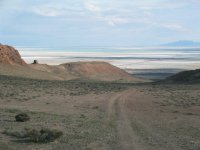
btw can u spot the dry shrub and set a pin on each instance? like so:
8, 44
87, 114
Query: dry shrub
43, 135
22, 117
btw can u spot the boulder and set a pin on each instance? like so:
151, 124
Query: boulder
35, 62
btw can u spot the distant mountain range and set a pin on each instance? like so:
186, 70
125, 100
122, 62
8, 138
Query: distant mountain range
183, 44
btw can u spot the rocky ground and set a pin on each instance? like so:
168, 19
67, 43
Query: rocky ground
100, 115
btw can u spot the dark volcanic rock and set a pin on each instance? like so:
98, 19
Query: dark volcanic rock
35, 62
186, 76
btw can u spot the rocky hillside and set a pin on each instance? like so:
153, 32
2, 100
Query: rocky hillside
9, 55
12, 64
96, 70
88, 71
186, 76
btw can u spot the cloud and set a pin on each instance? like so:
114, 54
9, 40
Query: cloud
113, 13
57, 10
48, 11
113, 20
141, 12
173, 27
100, 13
92, 7
15, 5
100, 18
167, 25
158, 4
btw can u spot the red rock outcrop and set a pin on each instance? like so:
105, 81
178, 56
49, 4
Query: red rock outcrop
9, 55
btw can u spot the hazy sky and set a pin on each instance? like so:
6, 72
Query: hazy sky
54, 23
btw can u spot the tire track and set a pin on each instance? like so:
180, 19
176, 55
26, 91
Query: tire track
128, 140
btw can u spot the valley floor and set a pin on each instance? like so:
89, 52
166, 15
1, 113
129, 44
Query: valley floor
98, 115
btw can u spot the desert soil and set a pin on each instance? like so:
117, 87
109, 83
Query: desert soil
99, 115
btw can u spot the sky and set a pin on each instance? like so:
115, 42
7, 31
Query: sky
122, 23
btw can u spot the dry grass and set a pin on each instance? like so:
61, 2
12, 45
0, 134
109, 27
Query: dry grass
160, 116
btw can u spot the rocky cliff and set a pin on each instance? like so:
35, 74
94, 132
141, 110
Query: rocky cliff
9, 55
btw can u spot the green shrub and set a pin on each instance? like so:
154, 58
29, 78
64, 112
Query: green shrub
22, 117
43, 135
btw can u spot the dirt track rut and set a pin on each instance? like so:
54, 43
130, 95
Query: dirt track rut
128, 140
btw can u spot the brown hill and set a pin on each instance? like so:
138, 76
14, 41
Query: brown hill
9, 55
26, 71
186, 76
96, 70
88, 71
12, 64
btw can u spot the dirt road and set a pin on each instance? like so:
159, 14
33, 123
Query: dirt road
102, 116
118, 107
134, 132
